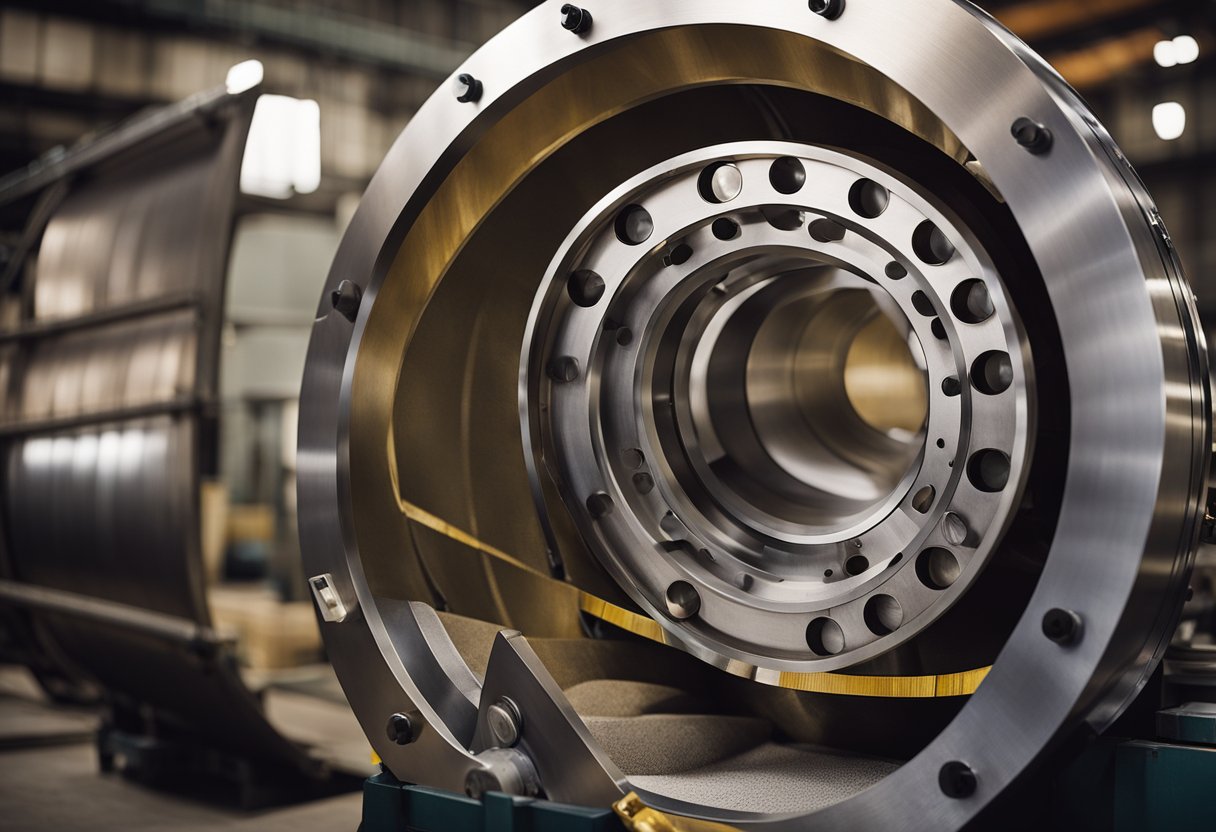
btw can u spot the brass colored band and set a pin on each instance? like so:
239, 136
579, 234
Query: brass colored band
636, 816
840, 684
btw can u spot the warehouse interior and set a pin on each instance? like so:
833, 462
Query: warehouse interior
178, 601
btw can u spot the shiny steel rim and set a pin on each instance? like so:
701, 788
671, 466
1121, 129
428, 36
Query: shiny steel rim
1108, 269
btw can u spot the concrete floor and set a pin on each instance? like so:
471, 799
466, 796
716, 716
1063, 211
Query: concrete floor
49, 780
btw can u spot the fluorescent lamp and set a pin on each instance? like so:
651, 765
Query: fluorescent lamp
244, 76
283, 151
1169, 120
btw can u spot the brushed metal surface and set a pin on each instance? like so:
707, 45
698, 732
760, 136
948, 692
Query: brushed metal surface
110, 384
1138, 402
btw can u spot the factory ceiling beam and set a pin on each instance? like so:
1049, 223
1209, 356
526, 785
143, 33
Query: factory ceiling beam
317, 30
1107, 59
1041, 19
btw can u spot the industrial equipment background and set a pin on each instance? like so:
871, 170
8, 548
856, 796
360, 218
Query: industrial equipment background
814, 386
109, 421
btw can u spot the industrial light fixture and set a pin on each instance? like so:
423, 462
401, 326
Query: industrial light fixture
1183, 49
1169, 120
283, 153
244, 76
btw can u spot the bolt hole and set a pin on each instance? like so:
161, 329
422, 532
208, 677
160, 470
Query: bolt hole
634, 225
896, 271
971, 302
599, 505
992, 373
624, 336
678, 256
923, 501
868, 199
931, 245
941, 443
784, 219
824, 637
952, 387
988, 470
922, 304
827, 231
585, 288
725, 229
883, 615
643, 482
787, 175
719, 183
857, 564
937, 568
938, 329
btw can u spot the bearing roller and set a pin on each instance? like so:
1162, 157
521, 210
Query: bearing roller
862, 376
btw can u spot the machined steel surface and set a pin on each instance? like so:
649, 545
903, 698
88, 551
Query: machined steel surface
415, 483
108, 422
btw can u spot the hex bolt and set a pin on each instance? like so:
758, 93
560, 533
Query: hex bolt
830, 9
467, 88
957, 780
346, 299
402, 729
1031, 135
563, 369
1062, 626
505, 723
575, 19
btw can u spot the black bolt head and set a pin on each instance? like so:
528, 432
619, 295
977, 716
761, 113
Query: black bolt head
1062, 626
575, 19
957, 780
831, 9
401, 729
467, 88
1031, 135
346, 299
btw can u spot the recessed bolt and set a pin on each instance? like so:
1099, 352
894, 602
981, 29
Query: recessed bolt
831, 9
402, 729
468, 89
1031, 135
346, 299
1062, 626
563, 369
504, 721
957, 780
575, 19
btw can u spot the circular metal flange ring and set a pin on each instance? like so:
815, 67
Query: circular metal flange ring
785, 260
1139, 407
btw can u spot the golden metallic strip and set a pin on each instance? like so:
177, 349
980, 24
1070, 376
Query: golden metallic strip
436, 524
897, 687
636, 816
639, 625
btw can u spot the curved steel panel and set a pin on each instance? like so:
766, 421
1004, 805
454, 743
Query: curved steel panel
111, 382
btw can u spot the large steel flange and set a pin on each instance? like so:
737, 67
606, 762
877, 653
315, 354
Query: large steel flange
780, 381
838, 347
